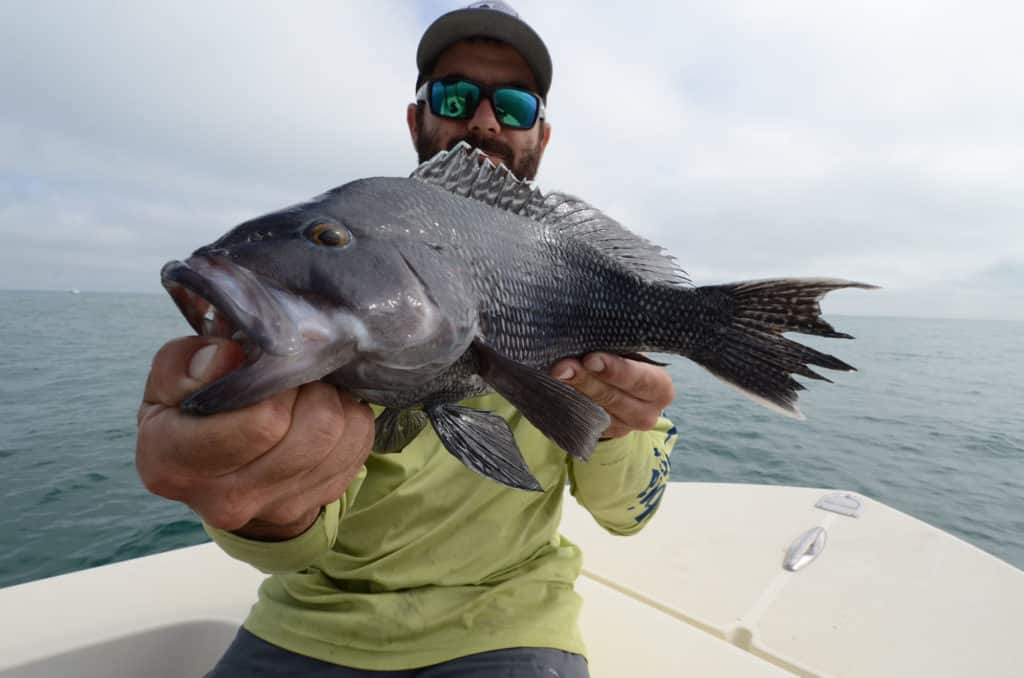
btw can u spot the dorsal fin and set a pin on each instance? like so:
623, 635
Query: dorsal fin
468, 172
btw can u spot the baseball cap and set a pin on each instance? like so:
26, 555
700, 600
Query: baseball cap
495, 20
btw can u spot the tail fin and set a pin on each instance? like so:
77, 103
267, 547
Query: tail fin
751, 353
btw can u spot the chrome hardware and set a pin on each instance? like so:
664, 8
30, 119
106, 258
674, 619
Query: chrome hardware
843, 503
804, 549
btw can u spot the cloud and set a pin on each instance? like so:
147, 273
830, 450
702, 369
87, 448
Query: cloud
865, 140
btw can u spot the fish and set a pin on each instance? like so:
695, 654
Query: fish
415, 293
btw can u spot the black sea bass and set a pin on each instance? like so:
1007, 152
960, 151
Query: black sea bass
417, 293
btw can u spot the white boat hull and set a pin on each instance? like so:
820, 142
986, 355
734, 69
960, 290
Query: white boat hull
701, 591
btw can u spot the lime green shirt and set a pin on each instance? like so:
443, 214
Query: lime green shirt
422, 560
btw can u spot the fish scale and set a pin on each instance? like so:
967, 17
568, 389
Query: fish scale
462, 279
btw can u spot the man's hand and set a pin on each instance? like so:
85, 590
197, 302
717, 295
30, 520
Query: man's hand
634, 394
263, 471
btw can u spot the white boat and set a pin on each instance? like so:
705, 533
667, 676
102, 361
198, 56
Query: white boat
702, 591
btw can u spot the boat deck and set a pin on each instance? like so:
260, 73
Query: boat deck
701, 591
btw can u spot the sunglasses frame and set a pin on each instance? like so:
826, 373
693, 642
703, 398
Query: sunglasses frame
422, 94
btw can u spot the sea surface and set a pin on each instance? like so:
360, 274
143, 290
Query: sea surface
931, 424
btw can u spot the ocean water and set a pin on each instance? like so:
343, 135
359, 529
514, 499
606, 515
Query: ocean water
931, 424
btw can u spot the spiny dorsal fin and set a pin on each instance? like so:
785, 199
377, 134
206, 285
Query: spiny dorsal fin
468, 172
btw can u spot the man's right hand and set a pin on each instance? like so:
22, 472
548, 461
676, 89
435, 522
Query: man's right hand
262, 472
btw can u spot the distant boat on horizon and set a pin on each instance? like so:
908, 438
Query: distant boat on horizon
75, 290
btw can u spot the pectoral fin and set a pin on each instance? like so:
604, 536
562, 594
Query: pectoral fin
483, 442
566, 416
394, 429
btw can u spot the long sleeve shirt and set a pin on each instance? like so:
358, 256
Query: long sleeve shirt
422, 561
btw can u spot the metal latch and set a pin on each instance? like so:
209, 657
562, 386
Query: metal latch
804, 549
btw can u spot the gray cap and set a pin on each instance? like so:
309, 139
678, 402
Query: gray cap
495, 20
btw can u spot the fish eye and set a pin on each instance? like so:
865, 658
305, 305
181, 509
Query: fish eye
329, 235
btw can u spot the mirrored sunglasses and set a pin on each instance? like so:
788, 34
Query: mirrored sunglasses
458, 99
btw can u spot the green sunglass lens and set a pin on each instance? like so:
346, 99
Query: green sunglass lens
515, 108
454, 100
458, 99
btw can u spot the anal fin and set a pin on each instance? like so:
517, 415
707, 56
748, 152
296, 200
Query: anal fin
484, 443
566, 416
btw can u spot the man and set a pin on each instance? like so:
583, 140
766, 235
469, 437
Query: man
410, 564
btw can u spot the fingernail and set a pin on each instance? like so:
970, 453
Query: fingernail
566, 374
201, 361
594, 363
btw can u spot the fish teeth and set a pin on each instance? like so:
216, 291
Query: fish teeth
210, 321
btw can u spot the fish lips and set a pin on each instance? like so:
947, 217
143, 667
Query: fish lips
220, 298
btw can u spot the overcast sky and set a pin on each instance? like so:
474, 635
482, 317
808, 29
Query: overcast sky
877, 141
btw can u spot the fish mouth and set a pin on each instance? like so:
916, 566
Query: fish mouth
288, 340
221, 299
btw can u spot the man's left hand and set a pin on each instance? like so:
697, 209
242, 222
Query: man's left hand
634, 394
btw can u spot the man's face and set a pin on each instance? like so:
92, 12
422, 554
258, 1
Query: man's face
493, 64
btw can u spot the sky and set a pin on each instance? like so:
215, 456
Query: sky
874, 141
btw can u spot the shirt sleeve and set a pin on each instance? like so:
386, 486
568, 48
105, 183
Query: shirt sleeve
297, 553
623, 482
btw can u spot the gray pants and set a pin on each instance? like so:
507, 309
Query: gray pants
252, 657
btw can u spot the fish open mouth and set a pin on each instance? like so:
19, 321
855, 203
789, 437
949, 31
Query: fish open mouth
284, 336
221, 299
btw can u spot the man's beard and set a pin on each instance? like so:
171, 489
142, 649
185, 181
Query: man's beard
523, 166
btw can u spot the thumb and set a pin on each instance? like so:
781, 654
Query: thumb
183, 366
